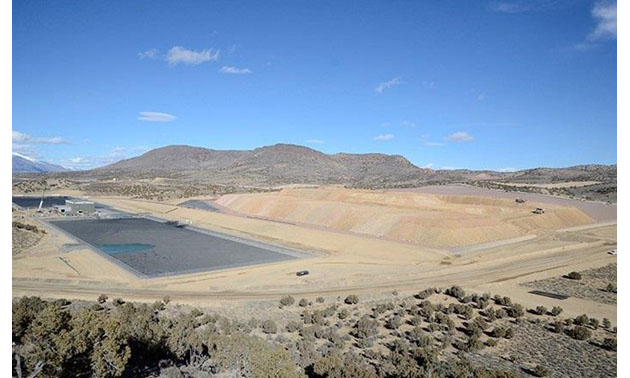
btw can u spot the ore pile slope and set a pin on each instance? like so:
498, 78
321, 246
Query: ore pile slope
422, 219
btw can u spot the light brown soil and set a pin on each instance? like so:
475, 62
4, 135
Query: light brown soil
425, 220
23, 240
342, 263
592, 285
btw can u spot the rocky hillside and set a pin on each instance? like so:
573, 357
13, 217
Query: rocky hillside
194, 170
273, 165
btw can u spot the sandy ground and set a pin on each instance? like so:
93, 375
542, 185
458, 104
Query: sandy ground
440, 221
342, 263
599, 211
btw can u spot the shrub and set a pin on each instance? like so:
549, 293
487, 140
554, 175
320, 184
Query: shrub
394, 322
557, 326
426, 293
352, 299
464, 310
366, 327
480, 322
580, 333
303, 302
320, 300
473, 329
416, 320
329, 311
540, 310
318, 317
606, 323
364, 343
594, 323
482, 303
102, 298
337, 366
196, 312
456, 292
509, 333
498, 332
287, 300
556, 310
581, 320
515, 310
344, 313
269, 326
118, 302
540, 371
491, 314
419, 337
574, 276
166, 300
502, 301
96, 307
474, 344
610, 344
293, 326
611, 288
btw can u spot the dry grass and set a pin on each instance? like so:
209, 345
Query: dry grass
533, 344
592, 286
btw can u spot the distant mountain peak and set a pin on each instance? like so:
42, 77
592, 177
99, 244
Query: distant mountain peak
26, 164
25, 157
281, 163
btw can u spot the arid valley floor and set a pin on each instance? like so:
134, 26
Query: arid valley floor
391, 250
374, 242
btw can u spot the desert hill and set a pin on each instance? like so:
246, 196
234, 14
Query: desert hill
196, 170
277, 164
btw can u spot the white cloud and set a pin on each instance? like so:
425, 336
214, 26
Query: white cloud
428, 84
89, 162
384, 137
460, 136
178, 54
521, 6
506, 7
605, 13
315, 141
433, 144
156, 117
148, 54
481, 97
235, 70
388, 84
18, 137
427, 166
408, 124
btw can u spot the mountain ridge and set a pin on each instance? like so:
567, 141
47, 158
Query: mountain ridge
294, 164
24, 164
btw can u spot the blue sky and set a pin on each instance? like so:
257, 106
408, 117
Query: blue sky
453, 84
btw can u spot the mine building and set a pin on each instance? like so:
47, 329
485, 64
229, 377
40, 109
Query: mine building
76, 207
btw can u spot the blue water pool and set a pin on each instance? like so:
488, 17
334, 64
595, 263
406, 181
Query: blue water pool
113, 249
